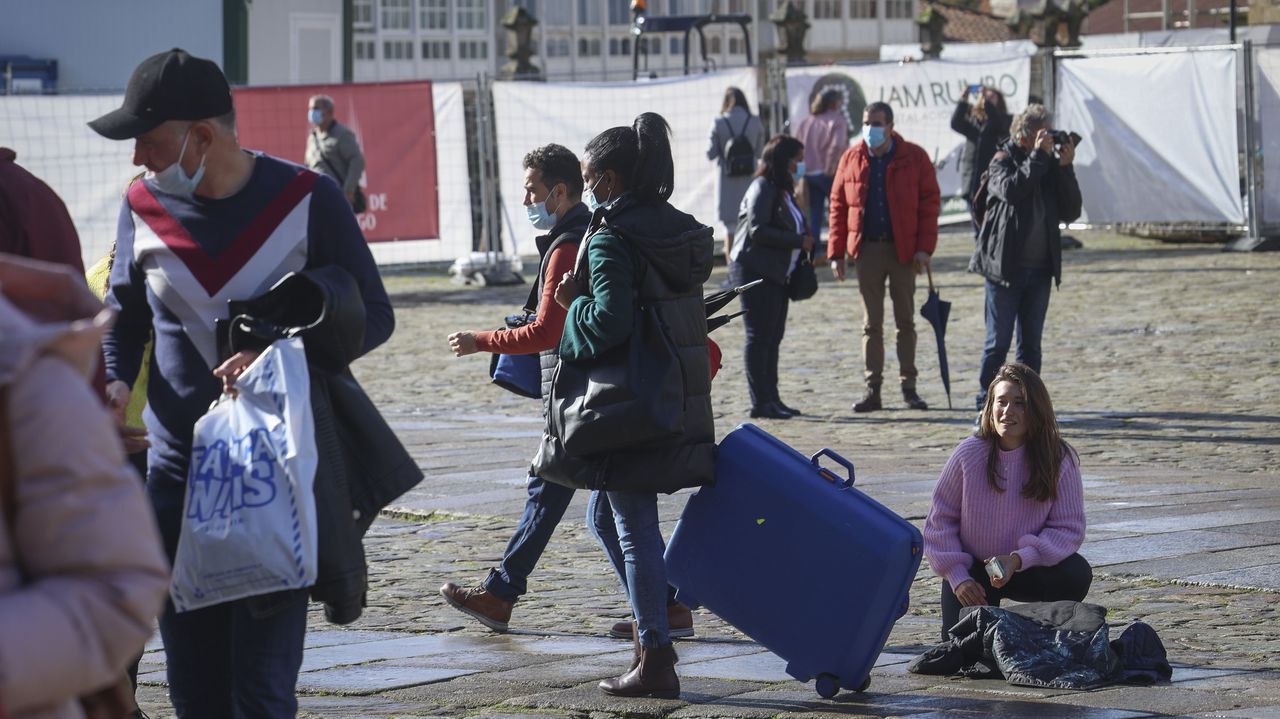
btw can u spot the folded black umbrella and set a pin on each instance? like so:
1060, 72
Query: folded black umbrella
937, 311
717, 301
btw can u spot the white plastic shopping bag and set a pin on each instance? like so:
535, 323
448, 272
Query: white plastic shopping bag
249, 519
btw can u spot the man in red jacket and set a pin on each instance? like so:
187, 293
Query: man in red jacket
884, 216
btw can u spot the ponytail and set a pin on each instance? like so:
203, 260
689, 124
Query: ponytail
640, 155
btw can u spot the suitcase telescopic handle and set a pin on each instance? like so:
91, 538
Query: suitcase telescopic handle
826, 452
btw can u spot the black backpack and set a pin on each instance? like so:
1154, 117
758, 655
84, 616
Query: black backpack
739, 155
980, 193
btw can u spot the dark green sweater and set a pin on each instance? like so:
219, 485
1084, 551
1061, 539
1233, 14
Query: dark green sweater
601, 318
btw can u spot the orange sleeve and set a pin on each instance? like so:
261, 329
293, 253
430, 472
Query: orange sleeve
544, 332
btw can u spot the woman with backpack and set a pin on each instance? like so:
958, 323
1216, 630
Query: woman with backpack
737, 137
771, 235
641, 258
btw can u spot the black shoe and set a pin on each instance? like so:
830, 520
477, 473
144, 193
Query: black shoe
870, 401
769, 411
789, 410
913, 400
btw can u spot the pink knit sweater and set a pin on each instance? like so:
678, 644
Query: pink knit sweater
970, 520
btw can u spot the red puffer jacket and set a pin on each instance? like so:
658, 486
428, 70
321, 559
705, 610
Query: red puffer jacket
914, 201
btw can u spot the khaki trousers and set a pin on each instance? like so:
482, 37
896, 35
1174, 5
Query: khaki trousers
877, 262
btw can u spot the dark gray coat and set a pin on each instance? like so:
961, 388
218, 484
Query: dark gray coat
1012, 181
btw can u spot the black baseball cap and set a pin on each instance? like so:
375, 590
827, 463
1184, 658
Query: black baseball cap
172, 85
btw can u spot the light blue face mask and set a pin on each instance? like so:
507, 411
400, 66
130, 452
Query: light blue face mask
539, 217
173, 180
315, 116
874, 137
590, 197
799, 173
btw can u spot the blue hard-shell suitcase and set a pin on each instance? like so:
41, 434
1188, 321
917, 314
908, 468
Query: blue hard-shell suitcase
796, 558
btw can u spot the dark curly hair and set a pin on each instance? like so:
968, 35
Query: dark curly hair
557, 164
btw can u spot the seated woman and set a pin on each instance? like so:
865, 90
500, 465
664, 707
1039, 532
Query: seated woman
771, 234
1007, 518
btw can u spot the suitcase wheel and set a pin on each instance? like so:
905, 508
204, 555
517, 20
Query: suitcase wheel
828, 685
865, 684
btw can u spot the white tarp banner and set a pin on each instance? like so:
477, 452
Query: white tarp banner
923, 96
532, 114
88, 171
1266, 88
961, 50
1159, 135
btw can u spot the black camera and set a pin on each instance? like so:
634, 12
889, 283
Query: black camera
1062, 137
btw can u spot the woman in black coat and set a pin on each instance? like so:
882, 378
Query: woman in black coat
771, 235
985, 126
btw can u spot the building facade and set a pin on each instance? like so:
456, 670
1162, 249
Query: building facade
587, 40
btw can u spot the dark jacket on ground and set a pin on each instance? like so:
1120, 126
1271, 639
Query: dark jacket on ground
768, 232
1062, 645
1011, 182
982, 141
654, 254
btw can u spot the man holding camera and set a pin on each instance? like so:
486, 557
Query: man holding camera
1031, 188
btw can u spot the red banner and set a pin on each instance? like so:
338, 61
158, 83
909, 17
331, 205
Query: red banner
395, 124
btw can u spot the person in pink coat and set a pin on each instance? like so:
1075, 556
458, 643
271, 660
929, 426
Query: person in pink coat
82, 572
1007, 518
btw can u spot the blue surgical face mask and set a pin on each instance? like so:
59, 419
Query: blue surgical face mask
590, 197
315, 116
539, 217
173, 180
874, 137
799, 173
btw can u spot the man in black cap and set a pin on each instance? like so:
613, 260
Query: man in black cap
208, 223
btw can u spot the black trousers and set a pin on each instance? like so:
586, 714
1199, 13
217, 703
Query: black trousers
765, 322
1068, 580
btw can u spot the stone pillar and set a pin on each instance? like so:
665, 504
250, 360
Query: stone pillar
792, 25
931, 23
519, 24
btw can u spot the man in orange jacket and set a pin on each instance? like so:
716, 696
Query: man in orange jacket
884, 216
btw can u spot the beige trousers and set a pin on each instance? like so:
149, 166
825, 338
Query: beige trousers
877, 262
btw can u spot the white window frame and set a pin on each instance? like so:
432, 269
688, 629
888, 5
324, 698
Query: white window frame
315, 21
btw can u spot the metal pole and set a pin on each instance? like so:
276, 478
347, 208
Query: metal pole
1250, 146
1125, 9
482, 148
1233, 20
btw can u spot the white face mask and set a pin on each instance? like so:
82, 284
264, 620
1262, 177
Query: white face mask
173, 180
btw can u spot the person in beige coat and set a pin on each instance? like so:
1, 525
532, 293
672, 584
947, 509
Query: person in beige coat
82, 571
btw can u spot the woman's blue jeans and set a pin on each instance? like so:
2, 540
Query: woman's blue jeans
626, 525
819, 190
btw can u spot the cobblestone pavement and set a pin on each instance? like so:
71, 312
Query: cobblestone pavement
1163, 364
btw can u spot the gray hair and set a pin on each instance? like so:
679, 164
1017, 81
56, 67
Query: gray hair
324, 102
1030, 121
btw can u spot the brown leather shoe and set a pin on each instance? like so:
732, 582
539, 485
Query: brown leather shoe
679, 624
490, 610
653, 676
870, 401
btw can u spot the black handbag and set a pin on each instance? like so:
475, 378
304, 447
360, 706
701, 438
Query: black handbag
803, 281
631, 396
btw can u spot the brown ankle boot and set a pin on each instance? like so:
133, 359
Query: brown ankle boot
654, 675
679, 624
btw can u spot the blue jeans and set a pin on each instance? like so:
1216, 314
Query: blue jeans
1024, 303
626, 525
237, 659
818, 187
542, 512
